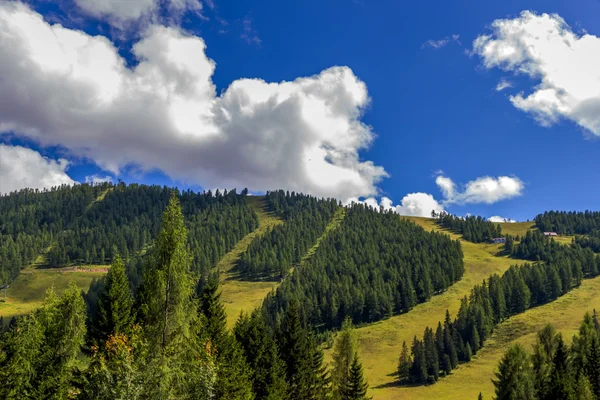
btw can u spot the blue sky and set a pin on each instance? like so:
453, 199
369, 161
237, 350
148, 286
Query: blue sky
434, 107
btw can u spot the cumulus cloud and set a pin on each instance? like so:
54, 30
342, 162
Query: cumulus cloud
64, 87
413, 204
21, 167
96, 179
485, 189
566, 64
503, 84
437, 44
497, 218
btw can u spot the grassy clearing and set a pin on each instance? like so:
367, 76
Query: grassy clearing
27, 291
565, 313
237, 293
517, 228
380, 343
335, 222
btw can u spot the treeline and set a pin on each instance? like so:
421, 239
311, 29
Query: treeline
535, 246
30, 219
554, 371
569, 223
280, 248
474, 229
167, 341
520, 288
372, 266
126, 221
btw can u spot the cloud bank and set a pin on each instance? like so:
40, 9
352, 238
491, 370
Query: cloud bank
483, 190
64, 87
566, 64
21, 167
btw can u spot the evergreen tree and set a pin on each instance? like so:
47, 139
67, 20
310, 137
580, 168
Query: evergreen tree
561, 381
115, 303
583, 389
514, 379
40, 350
343, 353
418, 368
404, 364
356, 386
179, 363
260, 350
234, 378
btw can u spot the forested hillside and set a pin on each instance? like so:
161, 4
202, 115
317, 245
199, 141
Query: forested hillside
569, 223
30, 220
283, 246
167, 341
372, 266
474, 229
79, 230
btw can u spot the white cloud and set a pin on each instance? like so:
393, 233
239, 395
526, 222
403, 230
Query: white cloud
118, 12
413, 204
503, 84
437, 44
21, 168
446, 185
497, 218
567, 66
64, 87
486, 190
96, 179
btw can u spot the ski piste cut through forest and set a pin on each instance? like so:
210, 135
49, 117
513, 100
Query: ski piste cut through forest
372, 266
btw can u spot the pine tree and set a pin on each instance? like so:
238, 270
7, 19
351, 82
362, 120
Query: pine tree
418, 368
179, 357
514, 379
260, 350
343, 352
167, 285
356, 386
41, 348
561, 382
234, 379
593, 366
115, 315
404, 364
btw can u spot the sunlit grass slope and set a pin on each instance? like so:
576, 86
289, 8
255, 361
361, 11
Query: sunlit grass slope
238, 293
565, 313
27, 291
380, 343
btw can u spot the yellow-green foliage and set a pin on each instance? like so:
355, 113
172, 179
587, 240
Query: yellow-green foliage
237, 293
27, 291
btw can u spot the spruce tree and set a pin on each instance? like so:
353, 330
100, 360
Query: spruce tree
418, 368
561, 381
343, 352
404, 364
179, 357
356, 387
115, 314
514, 379
234, 377
260, 350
